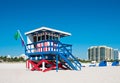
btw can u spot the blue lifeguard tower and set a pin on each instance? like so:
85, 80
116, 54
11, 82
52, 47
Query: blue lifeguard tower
46, 52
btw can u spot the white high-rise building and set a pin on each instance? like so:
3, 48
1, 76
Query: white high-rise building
116, 54
100, 53
119, 56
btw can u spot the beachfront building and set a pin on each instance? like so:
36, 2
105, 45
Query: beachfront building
101, 53
8, 56
119, 55
23, 56
46, 52
116, 54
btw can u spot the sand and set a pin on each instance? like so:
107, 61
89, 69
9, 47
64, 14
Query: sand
17, 73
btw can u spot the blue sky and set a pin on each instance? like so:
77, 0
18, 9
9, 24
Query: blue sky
91, 22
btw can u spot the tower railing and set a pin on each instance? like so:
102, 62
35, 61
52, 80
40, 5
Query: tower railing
46, 46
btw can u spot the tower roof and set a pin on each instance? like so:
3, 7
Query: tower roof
46, 29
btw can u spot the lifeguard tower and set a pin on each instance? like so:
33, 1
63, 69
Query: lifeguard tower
46, 52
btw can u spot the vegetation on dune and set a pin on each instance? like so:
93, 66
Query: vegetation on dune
12, 59
21, 59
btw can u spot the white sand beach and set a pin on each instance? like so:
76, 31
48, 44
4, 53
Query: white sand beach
17, 73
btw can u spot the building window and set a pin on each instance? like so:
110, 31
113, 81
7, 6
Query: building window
43, 37
35, 39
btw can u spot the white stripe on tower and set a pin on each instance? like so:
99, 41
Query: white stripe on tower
43, 66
